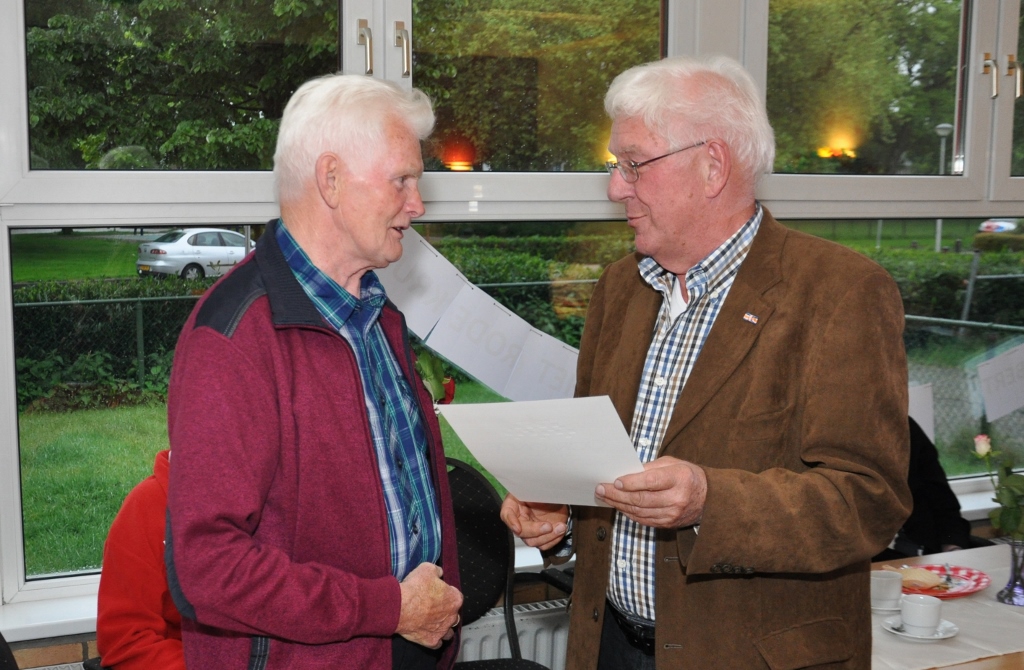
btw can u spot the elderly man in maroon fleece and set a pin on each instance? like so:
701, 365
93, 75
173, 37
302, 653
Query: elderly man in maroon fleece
309, 519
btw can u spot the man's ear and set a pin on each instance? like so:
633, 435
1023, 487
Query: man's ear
328, 179
719, 168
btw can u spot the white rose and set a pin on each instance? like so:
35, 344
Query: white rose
982, 444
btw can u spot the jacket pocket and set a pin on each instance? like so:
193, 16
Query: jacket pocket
763, 426
807, 645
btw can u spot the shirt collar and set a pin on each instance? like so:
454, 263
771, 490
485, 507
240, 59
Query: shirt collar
333, 302
714, 269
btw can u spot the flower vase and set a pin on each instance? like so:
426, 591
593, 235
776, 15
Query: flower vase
1013, 592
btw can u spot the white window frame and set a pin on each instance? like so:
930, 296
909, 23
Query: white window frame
62, 606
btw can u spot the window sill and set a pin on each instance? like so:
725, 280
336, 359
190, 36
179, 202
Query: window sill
975, 496
55, 617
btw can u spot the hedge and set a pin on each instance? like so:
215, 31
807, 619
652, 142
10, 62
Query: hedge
68, 352
999, 242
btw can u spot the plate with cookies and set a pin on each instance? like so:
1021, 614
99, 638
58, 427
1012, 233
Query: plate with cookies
942, 581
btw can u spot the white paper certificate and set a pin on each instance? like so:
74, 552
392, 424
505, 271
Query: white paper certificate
552, 451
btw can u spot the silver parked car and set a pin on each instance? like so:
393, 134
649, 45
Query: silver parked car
192, 254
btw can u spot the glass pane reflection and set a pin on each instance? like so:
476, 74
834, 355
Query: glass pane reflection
128, 85
1017, 157
518, 86
864, 86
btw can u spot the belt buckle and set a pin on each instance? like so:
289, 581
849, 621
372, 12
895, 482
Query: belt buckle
635, 633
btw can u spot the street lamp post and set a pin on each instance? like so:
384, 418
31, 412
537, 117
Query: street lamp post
942, 130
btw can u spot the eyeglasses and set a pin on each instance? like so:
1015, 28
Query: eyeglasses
630, 171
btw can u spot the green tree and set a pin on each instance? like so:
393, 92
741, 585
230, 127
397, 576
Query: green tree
873, 77
523, 81
191, 84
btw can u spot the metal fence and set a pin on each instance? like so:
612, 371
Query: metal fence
944, 354
124, 343
129, 344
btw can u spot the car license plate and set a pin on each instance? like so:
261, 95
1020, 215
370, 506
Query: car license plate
144, 268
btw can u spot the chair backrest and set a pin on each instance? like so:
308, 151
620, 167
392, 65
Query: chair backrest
7, 661
486, 549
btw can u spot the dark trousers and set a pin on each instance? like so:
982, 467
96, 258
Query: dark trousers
407, 655
617, 653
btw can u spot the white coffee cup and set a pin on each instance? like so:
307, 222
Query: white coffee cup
886, 589
920, 614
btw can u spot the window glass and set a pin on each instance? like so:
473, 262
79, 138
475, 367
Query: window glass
863, 86
94, 342
168, 85
232, 240
937, 288
1017, 157
519, 86
169, 237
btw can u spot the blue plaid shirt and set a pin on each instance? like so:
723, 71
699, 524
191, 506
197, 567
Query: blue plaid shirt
673, 352
399, 437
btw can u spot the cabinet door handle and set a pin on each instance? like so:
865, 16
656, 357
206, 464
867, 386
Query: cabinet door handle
402, 40
989, 65
1013, 69
364, 37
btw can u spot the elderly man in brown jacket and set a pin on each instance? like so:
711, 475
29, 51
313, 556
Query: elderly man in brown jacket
762, 377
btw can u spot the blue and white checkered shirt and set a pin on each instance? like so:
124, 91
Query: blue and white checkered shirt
674, 349
399, 438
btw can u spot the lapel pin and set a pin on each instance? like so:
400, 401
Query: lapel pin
750, 317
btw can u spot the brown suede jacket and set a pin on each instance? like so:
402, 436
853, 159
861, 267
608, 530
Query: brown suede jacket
800, 423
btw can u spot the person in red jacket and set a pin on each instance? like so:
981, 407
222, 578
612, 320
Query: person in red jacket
137, 625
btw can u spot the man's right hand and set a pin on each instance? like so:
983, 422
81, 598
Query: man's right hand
540, 525
430, 607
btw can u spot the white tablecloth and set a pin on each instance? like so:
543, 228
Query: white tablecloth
987, 628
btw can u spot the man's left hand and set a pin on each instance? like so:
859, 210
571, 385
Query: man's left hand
669, 493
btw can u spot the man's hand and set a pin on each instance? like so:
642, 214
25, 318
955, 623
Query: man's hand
669, 493
430, 608
540, 525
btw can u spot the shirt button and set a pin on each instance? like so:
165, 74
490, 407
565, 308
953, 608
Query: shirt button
415, 529
399, 462
594, 615
645, 442
659, 381
621, 563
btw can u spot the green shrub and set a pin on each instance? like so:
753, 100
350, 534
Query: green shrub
935, 284
999, 242
585, 249
79, 354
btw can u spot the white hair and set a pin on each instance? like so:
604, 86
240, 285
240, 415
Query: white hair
346, 114
711, 97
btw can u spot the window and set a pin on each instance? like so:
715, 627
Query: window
153, 149
521, 88
116, 85
885, 87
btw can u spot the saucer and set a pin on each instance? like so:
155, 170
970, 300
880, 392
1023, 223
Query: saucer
946, 630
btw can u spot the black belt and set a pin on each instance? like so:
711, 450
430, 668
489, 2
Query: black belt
639, 635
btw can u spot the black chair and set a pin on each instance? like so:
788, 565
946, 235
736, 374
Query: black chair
93, 664
7, 661
486, 560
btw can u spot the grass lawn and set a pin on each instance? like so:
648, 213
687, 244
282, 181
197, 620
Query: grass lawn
896, 234
45, 256
76, 469
84, 255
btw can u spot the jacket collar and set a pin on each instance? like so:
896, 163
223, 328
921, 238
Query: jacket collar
743, 316
289, 304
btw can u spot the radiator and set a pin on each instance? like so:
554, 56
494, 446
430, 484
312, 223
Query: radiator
543, 632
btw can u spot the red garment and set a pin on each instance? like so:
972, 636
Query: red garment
279, 555
137, 625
